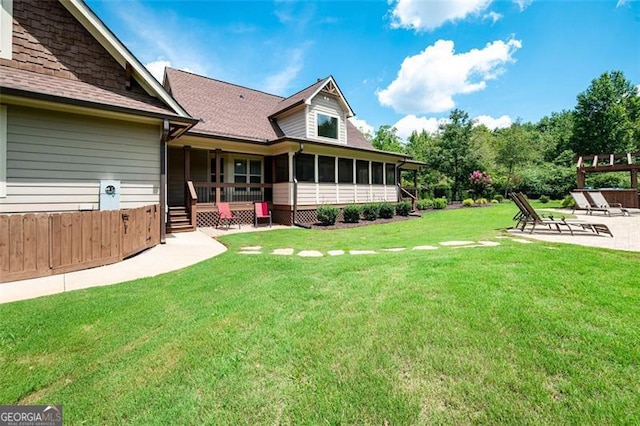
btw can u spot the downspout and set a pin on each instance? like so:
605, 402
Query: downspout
295, 189
399, 177
163, 181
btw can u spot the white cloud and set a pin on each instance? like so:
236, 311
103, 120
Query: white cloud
423, 15
156, 68
428, 81
280, 82
493, 17
621, 3
493, 123
523, 4
410, 123
362, 125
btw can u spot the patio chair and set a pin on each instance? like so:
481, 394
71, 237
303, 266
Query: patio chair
224, 213
534, 219
582, 203
261, 212
600, 202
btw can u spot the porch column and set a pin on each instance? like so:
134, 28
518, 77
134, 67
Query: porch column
163, 181
217, 182
634, 178
187, 172
581, 178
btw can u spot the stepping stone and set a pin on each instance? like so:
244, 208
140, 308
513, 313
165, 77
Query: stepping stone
249, 252
489, 243
456, 243
425, 248
251, 248
362, 252
336, 252
283, 251
501, 236
522, 240
310, 253
395, 249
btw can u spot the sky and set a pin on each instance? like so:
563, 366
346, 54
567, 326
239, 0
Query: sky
403, 63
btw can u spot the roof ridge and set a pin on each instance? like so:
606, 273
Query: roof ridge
226, 82
308, 87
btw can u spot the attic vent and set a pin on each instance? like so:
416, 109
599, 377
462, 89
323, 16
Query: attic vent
241, 96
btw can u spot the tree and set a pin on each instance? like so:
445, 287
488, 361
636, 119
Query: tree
386, 139
605, 117
458, 160
513, 149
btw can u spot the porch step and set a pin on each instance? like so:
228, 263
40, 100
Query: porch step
179, 220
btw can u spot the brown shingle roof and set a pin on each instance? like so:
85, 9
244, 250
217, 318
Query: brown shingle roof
75, 90
235, 111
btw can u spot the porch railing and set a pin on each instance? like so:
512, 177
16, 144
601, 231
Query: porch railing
232, 192
411, 193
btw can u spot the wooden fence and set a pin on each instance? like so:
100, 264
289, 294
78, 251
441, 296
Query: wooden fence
40, 244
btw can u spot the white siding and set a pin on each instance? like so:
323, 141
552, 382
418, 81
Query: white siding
282, 193
294, 125
328, 105
329, 193
55, 161
307, 194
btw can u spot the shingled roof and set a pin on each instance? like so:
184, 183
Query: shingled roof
229, 110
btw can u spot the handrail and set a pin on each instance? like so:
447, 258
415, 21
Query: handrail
192, 191
192, 204
404, 190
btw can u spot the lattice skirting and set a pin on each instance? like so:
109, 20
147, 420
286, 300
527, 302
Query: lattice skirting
281, 217
208, 219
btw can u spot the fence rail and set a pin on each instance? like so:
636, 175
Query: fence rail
40, 244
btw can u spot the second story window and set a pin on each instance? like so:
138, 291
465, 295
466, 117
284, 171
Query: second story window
327, 126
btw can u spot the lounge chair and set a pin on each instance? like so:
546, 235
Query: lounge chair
224, 213
582, 203
531, 217
600, 202
261, 212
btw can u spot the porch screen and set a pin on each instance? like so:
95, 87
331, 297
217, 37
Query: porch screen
362, 172
376, 173
326, 169
345, 170
282, 168
391, 174
305, 168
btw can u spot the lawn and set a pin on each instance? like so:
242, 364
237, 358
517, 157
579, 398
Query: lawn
514, 334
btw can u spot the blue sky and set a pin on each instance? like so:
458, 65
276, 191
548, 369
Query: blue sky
404, 63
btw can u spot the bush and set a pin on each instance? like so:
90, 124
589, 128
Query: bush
425, 204
568, 202
370, 211
544, 199
481, 201
403, 208
440, 203
499, 198
386, 211
351, 214
467, 202
327, 215
494, 201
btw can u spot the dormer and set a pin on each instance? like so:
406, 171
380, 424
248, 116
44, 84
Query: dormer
319, 112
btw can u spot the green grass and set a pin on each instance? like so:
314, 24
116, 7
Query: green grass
515, 334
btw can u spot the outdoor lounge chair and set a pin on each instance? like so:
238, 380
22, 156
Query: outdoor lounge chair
600, 202
582, 203
224, 213
261, 212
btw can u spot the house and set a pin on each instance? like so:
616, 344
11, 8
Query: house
77, 110
296, 153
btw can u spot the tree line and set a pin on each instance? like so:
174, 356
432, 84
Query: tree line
535, 158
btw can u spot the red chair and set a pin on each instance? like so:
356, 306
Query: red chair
224, 212
262, 212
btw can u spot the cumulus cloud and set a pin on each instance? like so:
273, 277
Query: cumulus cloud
493, 17
410, 123
494, 123
156, 68
362, 125
428, 81
428, 15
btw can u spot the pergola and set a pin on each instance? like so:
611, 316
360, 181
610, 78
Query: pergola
604, 163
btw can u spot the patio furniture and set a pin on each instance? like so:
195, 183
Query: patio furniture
582, 203
224, 213
600, 202
262, 212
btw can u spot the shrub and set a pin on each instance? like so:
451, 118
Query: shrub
467, 202
327, 215
351, 214
425, 204
499, 198
481, 201
370, 211
544, 199
568, 202
494, 201
440, 203
403, 208
386, 210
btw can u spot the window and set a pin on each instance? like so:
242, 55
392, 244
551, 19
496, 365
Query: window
376, 173
247, 171
212, 164
362, 172
6, 28
282, 168
327, 126
3, 151
391, 173
345, 170
326, 169
305, 168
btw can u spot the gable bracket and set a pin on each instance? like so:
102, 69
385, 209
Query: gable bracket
128, 75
